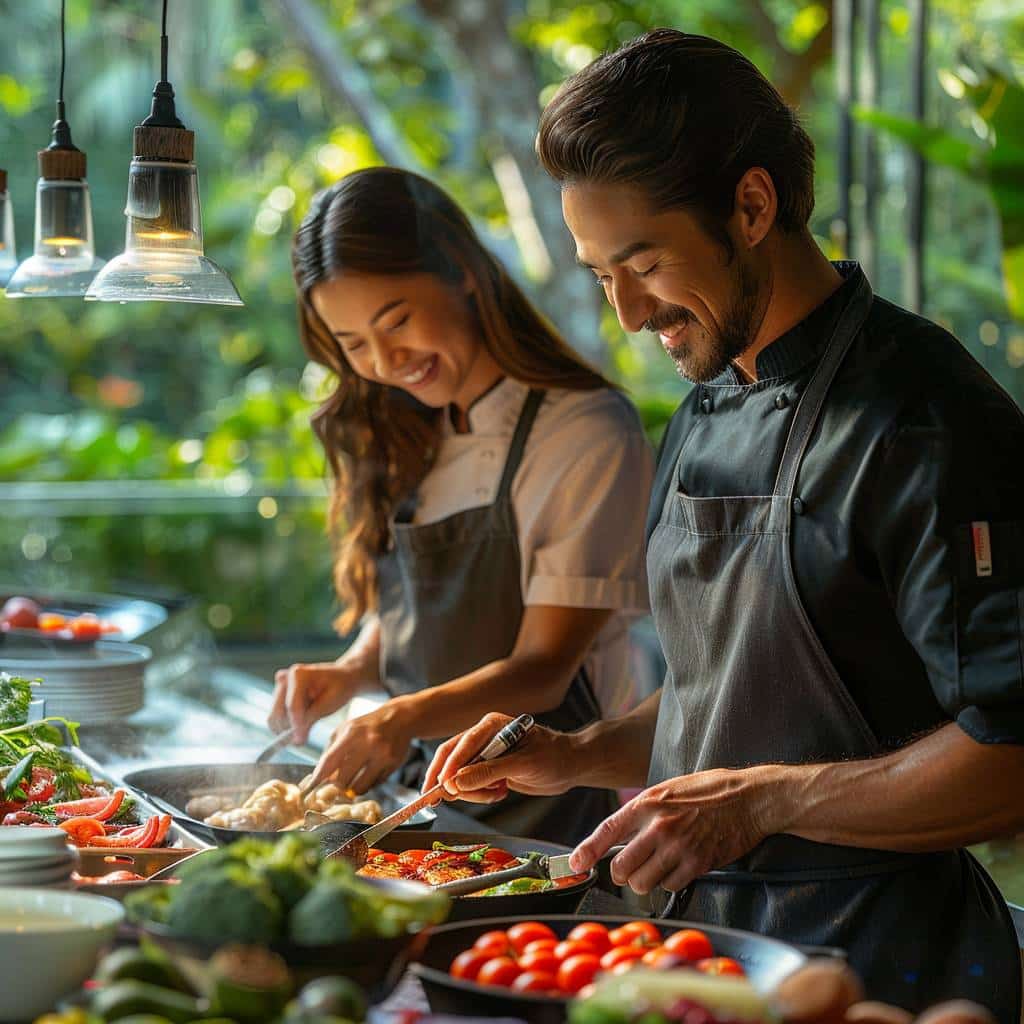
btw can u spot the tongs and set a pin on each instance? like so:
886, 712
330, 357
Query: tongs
356, 847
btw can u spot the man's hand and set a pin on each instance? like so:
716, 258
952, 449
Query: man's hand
681, 828
303, 694
366, 749
538, 767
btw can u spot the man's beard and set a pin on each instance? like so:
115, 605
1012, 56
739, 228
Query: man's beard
703, 356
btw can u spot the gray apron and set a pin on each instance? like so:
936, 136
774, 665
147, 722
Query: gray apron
748, 683
450, 603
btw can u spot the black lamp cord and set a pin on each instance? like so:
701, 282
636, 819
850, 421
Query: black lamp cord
162, 113
61, 135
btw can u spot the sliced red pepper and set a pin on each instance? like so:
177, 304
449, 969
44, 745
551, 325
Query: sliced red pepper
83, 830
131, 841
165, 826
99, 807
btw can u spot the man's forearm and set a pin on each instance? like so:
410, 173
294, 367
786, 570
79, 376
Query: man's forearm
942, 792
615, 753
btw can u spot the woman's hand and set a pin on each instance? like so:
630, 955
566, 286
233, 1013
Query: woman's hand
303, 694
684, 827
366, 749
539, 766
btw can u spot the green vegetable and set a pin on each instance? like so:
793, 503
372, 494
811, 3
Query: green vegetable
518, 886
13, 779
132, 964
334, 996
323, 916
44, 739
228, 904
150, 904
478, 855
248, 983
128, 998
15, 697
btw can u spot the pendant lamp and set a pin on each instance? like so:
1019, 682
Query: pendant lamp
64, 261
163, 257
8, 260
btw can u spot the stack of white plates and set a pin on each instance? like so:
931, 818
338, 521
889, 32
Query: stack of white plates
88, 683
35, 856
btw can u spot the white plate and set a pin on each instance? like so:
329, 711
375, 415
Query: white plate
44, 860
33, 877
28, 841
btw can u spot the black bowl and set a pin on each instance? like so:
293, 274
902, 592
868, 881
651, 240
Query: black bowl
469, 908
766, 962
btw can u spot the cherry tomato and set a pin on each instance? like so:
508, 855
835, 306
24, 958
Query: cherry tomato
20, 613
647, 930
521, 935
661, 959
594, 933
621, 955
690, 944
51, 621
577, 971
620, 937
623, 966
547, 945
536, 981
720, 965
569, 948
499, 970
494, 943
467, 964
542, 960
86, 627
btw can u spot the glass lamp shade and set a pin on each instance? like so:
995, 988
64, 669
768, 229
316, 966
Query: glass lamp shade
163, 255
64, 261
8, 259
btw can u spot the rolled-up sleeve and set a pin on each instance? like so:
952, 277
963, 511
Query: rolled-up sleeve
949, 535
581, 503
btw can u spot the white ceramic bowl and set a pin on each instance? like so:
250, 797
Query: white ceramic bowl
50, 941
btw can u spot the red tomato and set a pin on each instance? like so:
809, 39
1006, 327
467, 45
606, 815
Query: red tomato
542, 960
569, 948
621, 955
40, 787
467, 964
577, 971
647, 930
499, 970
20, 613
595, 934
536, 981
690, 944
720, 965
86, 627
51, 621
547, 945
618, 937
493, 943
521, 935
661, 959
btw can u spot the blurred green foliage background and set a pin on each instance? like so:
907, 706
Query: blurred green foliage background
168, 445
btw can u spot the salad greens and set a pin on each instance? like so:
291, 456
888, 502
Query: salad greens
15, 697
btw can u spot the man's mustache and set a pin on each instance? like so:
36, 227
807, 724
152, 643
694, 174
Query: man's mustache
667, 318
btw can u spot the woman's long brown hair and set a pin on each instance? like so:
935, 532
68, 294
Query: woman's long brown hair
379, 441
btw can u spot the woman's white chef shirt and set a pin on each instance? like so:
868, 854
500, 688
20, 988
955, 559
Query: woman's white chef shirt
580, 500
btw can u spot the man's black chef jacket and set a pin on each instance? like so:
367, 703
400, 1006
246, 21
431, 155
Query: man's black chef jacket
915, 444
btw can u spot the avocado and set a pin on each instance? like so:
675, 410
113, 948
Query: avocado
132, 998
248, 983
333, 996
132, 964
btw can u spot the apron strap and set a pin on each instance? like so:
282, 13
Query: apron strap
809, 408
515, 452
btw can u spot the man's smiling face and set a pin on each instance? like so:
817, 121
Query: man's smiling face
663, 271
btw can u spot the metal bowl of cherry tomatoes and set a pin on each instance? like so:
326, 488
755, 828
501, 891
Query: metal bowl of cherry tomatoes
531, 968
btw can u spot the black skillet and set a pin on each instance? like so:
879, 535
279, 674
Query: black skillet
174, 785
464, 908
766, 962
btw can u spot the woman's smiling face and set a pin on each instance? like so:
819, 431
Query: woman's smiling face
410, 331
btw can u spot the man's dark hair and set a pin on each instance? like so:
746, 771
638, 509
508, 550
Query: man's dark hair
683, 118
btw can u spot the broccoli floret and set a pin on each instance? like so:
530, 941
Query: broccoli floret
227, 904
148, 904
324, 915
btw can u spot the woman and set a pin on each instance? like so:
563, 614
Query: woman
488, 502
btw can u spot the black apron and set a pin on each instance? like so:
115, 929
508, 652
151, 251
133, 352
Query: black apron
749, 682
450, 603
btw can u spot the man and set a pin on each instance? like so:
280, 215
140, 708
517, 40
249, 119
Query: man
835, 554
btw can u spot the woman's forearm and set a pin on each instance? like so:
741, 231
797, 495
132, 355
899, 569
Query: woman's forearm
944, 791
363, 656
